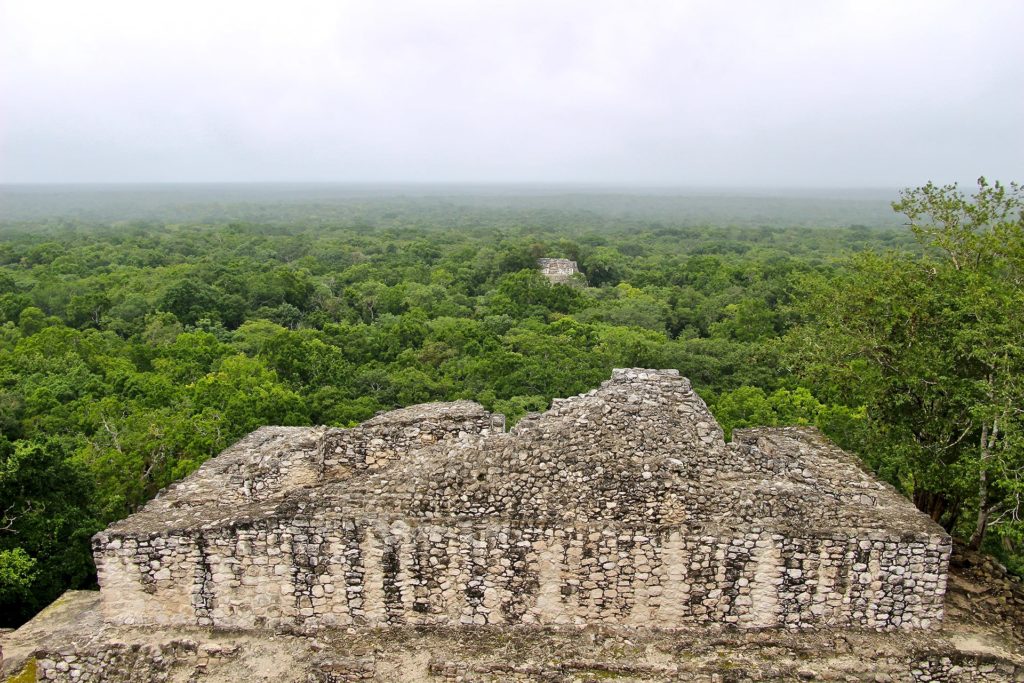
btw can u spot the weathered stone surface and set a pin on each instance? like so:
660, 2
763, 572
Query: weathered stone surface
71, 643
622, 506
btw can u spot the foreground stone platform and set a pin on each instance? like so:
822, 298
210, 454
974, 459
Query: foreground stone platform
980, 640
622, 506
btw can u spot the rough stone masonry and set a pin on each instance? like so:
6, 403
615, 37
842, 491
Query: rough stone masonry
622, 506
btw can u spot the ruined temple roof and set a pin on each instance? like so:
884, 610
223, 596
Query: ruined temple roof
640, 451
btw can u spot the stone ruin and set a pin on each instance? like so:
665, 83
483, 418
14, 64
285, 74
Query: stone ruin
616, 536
559, 271
623, 506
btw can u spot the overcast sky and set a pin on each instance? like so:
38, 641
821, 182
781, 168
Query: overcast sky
711, 93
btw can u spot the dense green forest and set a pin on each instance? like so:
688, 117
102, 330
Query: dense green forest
133, 350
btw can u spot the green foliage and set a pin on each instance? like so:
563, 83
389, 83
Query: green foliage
932, 347
45, 525
17, 574
750, 407
628, 306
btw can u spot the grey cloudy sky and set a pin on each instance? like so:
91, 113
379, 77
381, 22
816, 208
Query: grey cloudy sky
810, 93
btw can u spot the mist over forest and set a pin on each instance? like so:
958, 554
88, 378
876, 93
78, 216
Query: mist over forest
606, 206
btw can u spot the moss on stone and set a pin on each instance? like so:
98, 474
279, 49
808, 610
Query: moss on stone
27, 673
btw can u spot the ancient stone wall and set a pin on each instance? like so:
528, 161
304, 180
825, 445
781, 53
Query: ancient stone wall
622, 506
159, 663
309, 572
377, 443
285, 459
119, 662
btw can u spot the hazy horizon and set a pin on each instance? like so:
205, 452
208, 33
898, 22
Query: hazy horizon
525, 185
532, 203
782, 95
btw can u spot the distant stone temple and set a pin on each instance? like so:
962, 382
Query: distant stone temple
559, 270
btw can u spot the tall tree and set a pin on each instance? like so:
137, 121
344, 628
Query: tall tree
981, 242
933, 346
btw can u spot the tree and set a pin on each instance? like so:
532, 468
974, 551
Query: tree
242, 394
750, 407
527, 293
17, 573
628, 306
933, 347
602, 266
46, 521
87, 309
982, 241
189, 300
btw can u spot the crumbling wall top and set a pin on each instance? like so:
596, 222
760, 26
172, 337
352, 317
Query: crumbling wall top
642, 449
423, 412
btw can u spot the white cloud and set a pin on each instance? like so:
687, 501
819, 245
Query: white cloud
751, 93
